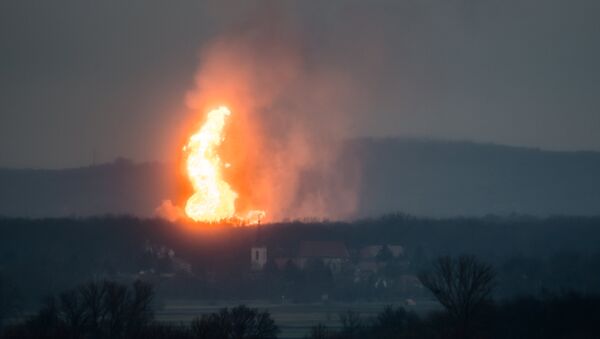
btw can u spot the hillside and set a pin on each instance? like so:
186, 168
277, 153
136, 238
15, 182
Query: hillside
433, 178
427, 178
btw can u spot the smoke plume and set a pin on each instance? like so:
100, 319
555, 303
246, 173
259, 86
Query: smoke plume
283, 137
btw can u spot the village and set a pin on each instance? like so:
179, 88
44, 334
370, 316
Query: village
310, 271
374, 262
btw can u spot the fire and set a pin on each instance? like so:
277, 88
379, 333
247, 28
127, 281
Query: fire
213, 199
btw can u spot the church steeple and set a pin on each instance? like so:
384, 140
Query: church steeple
258, 252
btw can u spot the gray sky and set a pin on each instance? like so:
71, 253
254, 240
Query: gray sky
111, 76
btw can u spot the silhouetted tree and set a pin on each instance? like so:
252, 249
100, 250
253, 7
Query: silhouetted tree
158, 330
238, 323
93, 310
463, 286
394, 323
321, 331
352, 325
139, 311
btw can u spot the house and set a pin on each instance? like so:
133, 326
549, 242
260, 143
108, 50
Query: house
371, 259
181, 265
333, 254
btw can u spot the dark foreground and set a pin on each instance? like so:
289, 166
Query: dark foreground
117, 277
111, 310
295, 320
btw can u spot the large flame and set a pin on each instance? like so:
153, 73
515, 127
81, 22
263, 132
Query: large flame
213, 199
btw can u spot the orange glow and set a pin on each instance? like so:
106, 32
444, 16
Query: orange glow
213, 199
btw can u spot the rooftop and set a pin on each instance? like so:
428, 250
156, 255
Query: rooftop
323, 249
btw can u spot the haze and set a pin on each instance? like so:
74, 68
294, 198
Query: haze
85, 82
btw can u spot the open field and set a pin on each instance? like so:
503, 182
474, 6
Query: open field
294, 320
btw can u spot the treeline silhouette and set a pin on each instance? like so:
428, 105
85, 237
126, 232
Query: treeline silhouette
463, 285
110, 310
561, 316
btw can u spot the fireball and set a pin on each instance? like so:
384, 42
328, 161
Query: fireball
213, 199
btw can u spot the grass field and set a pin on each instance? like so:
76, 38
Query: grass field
294, 320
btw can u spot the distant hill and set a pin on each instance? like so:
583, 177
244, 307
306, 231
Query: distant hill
421, 177
436, 178
121, 187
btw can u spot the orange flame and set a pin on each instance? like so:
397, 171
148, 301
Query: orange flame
213, 199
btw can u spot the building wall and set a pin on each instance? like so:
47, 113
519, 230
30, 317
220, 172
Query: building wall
258, 258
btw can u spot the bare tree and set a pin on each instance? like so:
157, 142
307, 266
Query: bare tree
238, 323
98, 309
92, 297
352, 325
463, 286
321, 331
72, 313
139, 308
